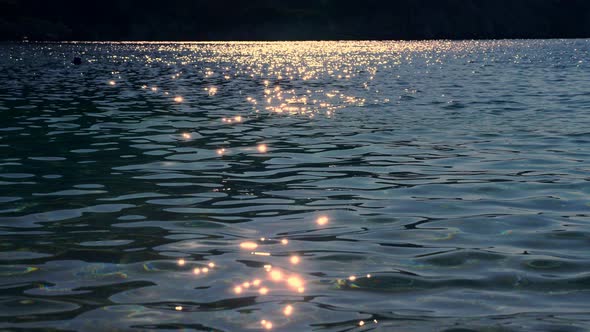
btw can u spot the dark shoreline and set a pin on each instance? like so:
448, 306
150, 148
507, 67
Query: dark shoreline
269, 20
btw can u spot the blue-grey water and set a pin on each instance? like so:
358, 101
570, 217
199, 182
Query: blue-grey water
297, 186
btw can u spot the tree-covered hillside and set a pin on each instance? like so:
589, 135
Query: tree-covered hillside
292, 20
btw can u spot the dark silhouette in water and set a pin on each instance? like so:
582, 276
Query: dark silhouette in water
77, 61
292, 20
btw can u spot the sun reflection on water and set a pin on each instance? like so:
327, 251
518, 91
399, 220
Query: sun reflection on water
293, 84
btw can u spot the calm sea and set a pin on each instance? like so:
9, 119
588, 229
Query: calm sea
296, 186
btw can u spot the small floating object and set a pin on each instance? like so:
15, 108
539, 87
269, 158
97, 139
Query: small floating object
77, 61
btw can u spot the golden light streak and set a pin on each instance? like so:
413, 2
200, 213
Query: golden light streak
284, 242
256, 282
181, 262
112, 83
211, 265
361, 323
261, 253
249, 245
178, 99
294, 260
238, 289
196, 270
263, 290
178, 308
352, 278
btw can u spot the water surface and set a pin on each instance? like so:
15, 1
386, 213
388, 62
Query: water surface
421, 186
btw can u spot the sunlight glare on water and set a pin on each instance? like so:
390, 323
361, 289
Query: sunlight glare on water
295, 186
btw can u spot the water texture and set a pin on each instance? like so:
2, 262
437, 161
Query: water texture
297, 186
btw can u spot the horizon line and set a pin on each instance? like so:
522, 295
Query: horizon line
278, 41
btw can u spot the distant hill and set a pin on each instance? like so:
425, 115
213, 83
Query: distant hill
292, 20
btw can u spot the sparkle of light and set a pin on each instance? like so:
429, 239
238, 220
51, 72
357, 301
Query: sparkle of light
288, 310
276, 275
295, 282
249, 245
262, 148
323, 220
266, 324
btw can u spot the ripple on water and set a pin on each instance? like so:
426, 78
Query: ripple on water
309, 185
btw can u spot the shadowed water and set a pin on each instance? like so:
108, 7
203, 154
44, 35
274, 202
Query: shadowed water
420, 186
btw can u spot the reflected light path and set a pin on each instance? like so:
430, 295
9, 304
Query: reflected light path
330, 186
